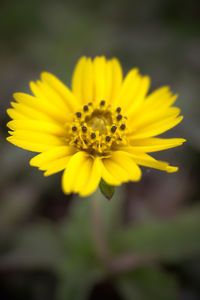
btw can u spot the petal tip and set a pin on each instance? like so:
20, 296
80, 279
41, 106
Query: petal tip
9, 139
171, 169
32, 162
44, 75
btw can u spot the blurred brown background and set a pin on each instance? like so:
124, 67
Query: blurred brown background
47, 250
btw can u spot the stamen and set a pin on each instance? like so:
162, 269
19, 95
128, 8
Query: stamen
123, 126
113, 129
90, 103
84, 128
108, 138
78, 114
93, 135
85, 108
103, 102
74, 128
118, 109
119, 117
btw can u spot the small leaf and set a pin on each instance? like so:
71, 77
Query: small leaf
76, 280
107, 190
37, 246
148, 284
167, 240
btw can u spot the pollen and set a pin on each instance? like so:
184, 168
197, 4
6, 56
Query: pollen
98, 128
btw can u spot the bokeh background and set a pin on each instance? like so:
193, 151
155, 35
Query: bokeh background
52, 246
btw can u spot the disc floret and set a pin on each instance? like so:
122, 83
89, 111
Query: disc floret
98, 128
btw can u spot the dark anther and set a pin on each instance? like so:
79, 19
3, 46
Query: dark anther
123, 126
108, 138
102, 103
113, 129
119, 117
84, 128
85, 108
118, 109
93, 135
74, 128
85, 141
90, 103
78, 114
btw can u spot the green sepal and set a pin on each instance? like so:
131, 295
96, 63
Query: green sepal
106, 189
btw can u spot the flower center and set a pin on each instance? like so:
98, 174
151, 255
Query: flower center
98, 129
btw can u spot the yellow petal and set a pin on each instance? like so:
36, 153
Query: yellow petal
23, 111
159, 98
107, 79
66, 96
100, 66
16, 115
81, 175
71, 171
156, 128
77, 79
152, 116
28, 145
109, 177
50, 97
52, 109
157, 106
93, 178
120, 168
88, 81
140, 95
37, 142
154, 144
38, 109
171, 169
96, 80
128, 89
54, 160
52, 154
83, 81
113, 79
56, 166
37, 126
148, 161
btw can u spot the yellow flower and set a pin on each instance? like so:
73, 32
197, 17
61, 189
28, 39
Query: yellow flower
102, 128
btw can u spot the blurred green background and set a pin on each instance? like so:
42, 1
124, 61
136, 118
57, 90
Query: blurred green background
53, 246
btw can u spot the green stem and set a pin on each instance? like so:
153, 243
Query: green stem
98, 227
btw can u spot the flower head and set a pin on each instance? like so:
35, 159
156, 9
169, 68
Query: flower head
102, 128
